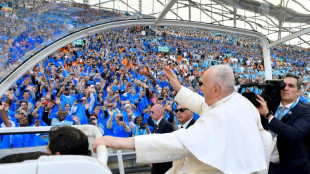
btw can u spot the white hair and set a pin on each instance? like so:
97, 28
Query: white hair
224, 77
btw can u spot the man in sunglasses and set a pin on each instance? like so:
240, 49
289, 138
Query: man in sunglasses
225, 139
184, 116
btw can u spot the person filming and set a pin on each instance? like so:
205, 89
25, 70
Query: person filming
289, 127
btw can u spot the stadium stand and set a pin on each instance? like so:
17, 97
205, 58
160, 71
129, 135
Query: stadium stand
117, 71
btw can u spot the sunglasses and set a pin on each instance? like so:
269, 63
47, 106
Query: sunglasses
152, 112
110, 106
181, 110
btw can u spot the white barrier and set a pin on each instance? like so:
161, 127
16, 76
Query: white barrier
60, 163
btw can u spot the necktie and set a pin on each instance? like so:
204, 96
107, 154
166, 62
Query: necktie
281, 112
155, 127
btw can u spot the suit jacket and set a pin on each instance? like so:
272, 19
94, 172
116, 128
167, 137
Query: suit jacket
293, 132
190, 123
163, 127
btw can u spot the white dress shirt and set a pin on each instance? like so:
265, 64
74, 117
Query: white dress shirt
186, 124
274, 158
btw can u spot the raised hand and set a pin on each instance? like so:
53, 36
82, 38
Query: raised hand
76, 119
173, 79
263, 108
38, 104
37, 123
57, 100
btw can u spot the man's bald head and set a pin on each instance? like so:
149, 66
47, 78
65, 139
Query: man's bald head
157, 112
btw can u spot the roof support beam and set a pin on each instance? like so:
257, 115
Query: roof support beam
165, 11
189, 10
129, 6
32, 61
289, 37
100, 3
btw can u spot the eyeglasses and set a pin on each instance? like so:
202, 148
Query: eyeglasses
110, 106
152, 112
181, 110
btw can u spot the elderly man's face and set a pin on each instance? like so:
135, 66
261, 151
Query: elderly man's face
207, 88
183, 114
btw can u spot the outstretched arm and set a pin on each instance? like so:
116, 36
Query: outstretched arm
173, 78
115, 143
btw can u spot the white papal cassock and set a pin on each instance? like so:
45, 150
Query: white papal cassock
226, 138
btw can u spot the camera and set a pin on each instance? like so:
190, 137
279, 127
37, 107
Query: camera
121, 119
271, 93
142, 126
79, 101
90, 121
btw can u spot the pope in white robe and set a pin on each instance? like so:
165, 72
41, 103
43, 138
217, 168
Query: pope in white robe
225, 139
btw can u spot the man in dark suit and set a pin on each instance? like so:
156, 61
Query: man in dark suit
184, 116
290, 129
162, 126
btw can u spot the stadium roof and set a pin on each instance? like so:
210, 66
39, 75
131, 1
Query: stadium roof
276, 19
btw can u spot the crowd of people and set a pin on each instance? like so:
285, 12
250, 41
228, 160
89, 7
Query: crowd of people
117, 81
118, 74
31, 26
113, 80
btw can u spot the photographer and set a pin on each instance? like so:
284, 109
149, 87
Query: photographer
140, 127
289, 126
119, 125
142, 102
129, 111
170, 116
80, 108
93, 120
65, 96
